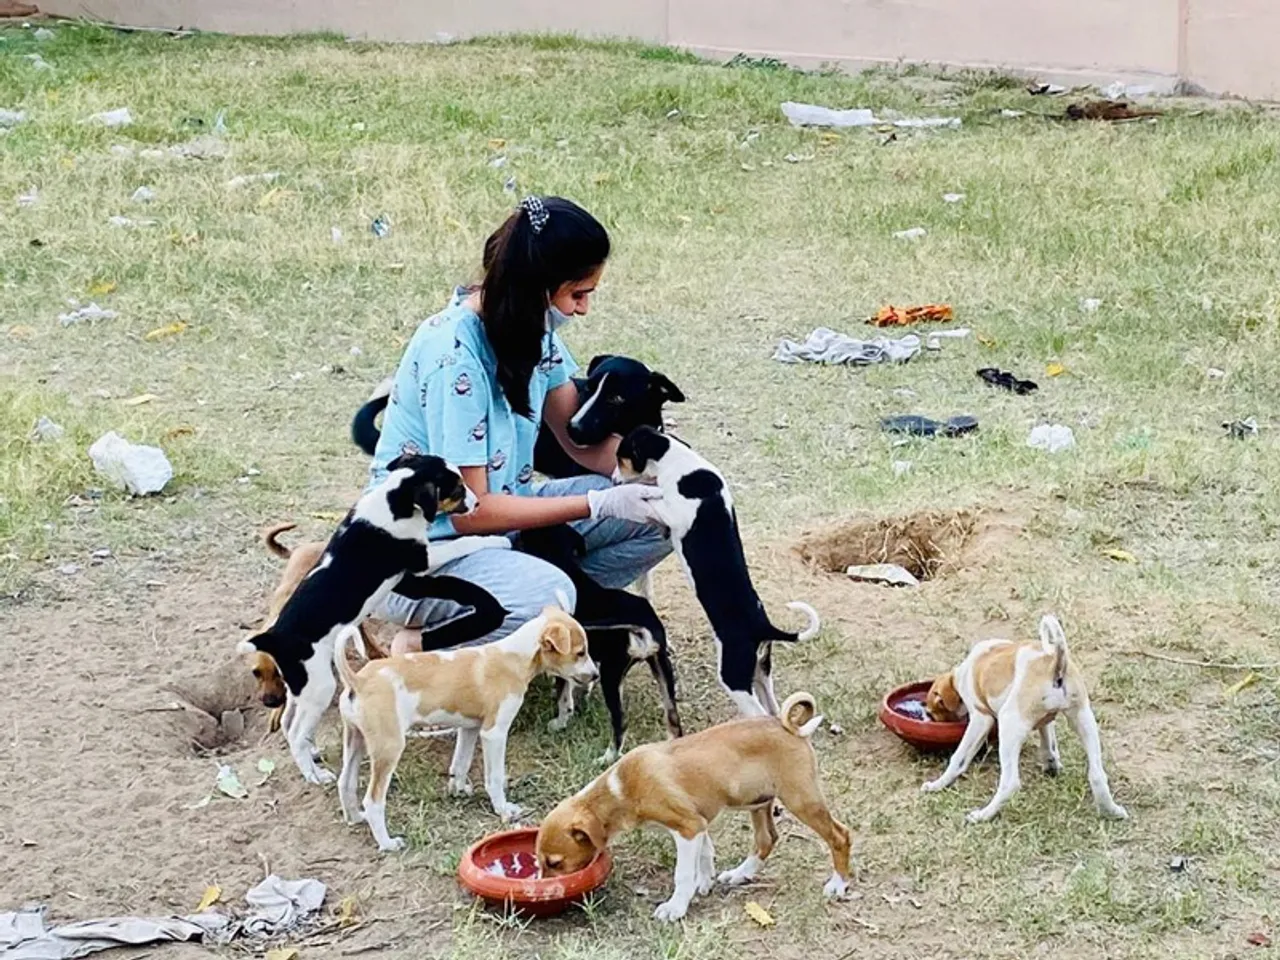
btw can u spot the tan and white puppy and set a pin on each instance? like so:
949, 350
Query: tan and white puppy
479, 690
1022, 687
684, 784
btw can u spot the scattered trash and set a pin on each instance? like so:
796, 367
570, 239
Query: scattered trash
266, 767
1007, 381
212, 894
918, 426
811, 115
1213, 373
1178, 864
139, 469
43, 33
120, 117
1051, 437
889, 574
1121, 91
143, 195
335, 234
914, 233
1241, 429
102, 553
201, 148
30, 198
986, 341
1244, 683
915, 709
1012, 114
673, 114
891, 316
358, 126
244, 179
46, 429
1111, 110
11, 118
355, 351
836, 730
151, 153
140, 399
381, 227
229, 784
168, 330
759, 914
1090, 304
128, 223
952, 197
1054, 369
827, 346
38, 62
69, 569
498, 162
1046, 89
1123, 556
933, 338
92, 313
901, 467
1258, 939
797, 157
102, 287
509, 185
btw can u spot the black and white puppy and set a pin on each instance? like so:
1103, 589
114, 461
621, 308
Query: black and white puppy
697, 506
617, 395
380, 545
622, 629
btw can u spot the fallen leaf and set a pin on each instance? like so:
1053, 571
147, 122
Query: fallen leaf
329, 517
601, 178
272, 197
184, 430
102, 287
497, 143
454, 223
988, 342
281, 953
829, 139
1243, 684
230, 784
212, 894
168, 330
67, 162
202, 802
140, 399
1124, 556
759, 914
348, 911
184, 239
1258, 939
21, 332
266, 765
1054, 369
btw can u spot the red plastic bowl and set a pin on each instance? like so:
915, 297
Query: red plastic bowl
518, 887
930, 735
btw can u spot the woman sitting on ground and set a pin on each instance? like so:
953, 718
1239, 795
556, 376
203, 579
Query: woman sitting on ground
473, 386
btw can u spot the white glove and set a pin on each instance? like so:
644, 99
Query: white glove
636, 502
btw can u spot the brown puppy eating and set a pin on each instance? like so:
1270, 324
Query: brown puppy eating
684, 784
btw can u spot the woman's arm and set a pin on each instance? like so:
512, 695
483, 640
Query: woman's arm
558, 408
504, 512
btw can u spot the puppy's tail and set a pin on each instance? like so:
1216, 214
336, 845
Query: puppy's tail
809, 632
364, 426
340, 655
1053, 639
275, 546
800, 715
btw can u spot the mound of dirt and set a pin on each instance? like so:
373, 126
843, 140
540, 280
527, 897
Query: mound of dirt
929, 544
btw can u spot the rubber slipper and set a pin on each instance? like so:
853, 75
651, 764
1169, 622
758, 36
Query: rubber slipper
918, 426
1007, 381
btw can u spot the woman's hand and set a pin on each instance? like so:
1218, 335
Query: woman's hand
636, 502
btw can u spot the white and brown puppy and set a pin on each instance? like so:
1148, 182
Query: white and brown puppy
479, 690
684, 784
697, 506
1022, 687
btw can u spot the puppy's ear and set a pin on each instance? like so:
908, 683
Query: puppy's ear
260, 643
596, 361
427, 497
587, 832
663, 387
399, 462
556, 636
949, 694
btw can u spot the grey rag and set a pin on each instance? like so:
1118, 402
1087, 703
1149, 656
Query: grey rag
277, 906
827, 346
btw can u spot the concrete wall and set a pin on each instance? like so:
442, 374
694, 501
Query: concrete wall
1220, 45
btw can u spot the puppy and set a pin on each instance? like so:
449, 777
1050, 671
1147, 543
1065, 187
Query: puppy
479, 690
624, 629
684, 784
617, 395
698, 508
380, 545
1022, 687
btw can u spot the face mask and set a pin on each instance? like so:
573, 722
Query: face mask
555, 319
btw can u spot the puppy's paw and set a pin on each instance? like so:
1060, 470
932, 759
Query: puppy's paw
559, 723
509, 812
319, 776
352, 818
1052, 767
608, 757
979, 816
670, 912
1116, 811
495, 543
836, 887
460, 788
705, 884
933, 786
393, 845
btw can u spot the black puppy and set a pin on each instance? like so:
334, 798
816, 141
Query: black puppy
697, 507
380, 545
622, 628
617, 395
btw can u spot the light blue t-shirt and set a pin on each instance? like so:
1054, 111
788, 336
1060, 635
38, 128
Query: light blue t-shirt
446, 401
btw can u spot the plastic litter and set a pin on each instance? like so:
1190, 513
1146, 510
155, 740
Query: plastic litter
120, 117
38, 62
917, 426
1241, 429
889, 574
1012, 114
1046, 89
46, 429
1007, 381
30, 198
891, 316
91, 313
1090, 304
11, 118
335, 234
381, 227
1120, 90
129, 223
914, 233
952, 197
143, 195
1051, 437
139, 469
812, 115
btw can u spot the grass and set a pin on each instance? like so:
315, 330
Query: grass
723, 247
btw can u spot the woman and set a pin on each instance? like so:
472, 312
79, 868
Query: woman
473, 386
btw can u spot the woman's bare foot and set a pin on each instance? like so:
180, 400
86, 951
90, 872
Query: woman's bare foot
407, 640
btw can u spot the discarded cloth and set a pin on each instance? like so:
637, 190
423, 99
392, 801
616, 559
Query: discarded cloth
1051, 437
811, 115
279, 905
891, 316
139, 469
825, 345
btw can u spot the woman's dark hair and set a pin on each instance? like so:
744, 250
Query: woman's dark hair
541, 247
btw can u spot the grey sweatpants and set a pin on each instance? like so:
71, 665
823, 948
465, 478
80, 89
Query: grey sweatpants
618, 553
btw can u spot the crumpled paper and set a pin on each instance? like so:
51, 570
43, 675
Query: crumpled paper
139, 469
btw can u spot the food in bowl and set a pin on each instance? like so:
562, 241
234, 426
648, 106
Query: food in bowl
502, 869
